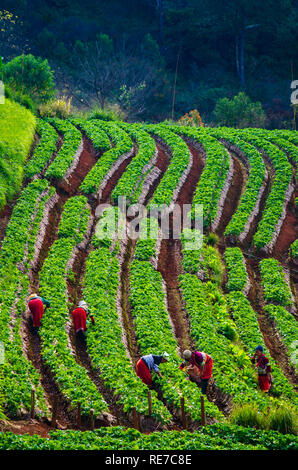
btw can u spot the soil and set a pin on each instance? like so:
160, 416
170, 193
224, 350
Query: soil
233, 195
288, 233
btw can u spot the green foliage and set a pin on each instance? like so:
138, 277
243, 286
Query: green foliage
131, 182
122, 145
214, 175
17, 128
283, 420
179, 163
274, 283
56, 108
44, 151
218, 436
29, 75
239, 112
237, 274
72, 140
248, 416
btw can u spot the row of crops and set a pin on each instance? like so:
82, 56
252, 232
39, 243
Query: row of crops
215, 437
225, 326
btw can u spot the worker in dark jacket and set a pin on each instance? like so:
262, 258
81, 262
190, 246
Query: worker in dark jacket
37, 306
263, 368
150, 363
79, 316
199, 367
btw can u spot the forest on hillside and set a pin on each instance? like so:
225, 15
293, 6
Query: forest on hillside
159, 59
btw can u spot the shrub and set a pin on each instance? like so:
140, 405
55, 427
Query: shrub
110, 113
283, 420
211, 239
249, 416
239, 112
31, 76
57, 108
193, 118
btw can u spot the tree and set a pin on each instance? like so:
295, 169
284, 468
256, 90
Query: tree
122, 75
239, 112
30, 75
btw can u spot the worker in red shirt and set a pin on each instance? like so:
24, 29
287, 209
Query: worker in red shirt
79, 316
37, 306
263, 368
199, 367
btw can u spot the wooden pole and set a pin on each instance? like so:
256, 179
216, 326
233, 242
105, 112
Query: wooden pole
184, 420
203, 415
92, 420
135, 419
149, 403
79, 418
32, 403
54, 412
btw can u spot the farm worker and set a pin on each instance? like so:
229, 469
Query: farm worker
36, 306
199, 367
263, 368
79, 316
150, 363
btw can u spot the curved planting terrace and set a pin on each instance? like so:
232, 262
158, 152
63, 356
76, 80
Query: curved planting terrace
236, 290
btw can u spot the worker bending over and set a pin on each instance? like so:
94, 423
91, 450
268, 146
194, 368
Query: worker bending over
79, 316
150, 363
37, 306
198, 365
263, 368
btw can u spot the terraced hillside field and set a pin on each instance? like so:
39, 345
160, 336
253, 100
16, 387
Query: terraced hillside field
237, 291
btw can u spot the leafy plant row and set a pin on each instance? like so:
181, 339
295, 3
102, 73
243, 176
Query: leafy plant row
214, 175
105, 341
131, 182
274, 284
17, 129
237, 274
72, 140
275, 202
286, 325
255, 181
44, 150
155, 335
17, 374
180, 159
93, 131
122, 144
72, 379
212, 437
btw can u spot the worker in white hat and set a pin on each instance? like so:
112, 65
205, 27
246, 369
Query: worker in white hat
150, 363
79, 316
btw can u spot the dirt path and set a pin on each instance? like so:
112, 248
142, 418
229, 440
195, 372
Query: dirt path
288, 233
233, 196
